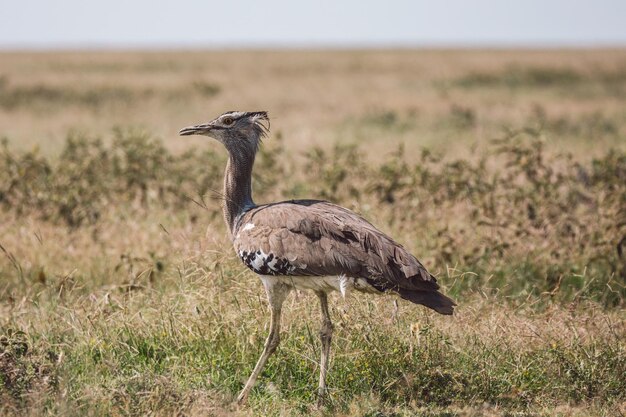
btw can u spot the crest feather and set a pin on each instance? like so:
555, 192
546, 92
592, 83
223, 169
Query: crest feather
261, 121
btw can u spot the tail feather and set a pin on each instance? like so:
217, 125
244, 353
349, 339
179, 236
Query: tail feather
431, 299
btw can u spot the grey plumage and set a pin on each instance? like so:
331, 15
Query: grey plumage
317, 238
307, 244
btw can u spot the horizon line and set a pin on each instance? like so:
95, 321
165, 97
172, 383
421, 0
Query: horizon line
304, 46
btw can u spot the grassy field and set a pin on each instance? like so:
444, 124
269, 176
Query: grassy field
503, 171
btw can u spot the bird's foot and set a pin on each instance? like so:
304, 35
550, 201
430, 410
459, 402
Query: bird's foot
242, 397
321, 397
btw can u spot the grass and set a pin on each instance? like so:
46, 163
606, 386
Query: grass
120, 295
194, 345
563, 79
43, 97
519, 77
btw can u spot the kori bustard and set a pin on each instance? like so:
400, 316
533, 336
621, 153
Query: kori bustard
307, 244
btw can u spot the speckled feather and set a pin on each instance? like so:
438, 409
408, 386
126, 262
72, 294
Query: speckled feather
317, 238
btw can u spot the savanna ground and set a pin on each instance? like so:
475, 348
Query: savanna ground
503, 171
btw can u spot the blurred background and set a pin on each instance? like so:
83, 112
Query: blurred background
487, 137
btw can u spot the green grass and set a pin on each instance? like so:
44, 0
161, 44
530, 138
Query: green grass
137, 352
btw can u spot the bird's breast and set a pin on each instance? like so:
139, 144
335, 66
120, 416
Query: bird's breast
340, 283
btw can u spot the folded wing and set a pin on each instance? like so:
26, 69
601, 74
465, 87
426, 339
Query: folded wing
318, 238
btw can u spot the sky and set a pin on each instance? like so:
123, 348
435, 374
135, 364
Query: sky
86, 24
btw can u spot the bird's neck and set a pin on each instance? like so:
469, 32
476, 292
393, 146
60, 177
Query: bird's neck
237, 186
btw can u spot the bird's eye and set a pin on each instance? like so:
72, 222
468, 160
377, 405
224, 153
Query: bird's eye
228, 121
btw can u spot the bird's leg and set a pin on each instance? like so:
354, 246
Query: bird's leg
273, 339
326, 333
276, 294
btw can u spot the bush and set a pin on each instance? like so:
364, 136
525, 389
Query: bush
519, 219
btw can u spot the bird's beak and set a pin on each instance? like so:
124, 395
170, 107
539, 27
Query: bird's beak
196, 130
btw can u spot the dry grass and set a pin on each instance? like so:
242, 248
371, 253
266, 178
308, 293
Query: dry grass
120, 295
315, 98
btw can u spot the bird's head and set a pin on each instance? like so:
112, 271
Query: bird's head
236, 130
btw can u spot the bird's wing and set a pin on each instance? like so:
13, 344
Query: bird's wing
310, 237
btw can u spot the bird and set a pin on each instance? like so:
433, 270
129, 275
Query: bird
307, 244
